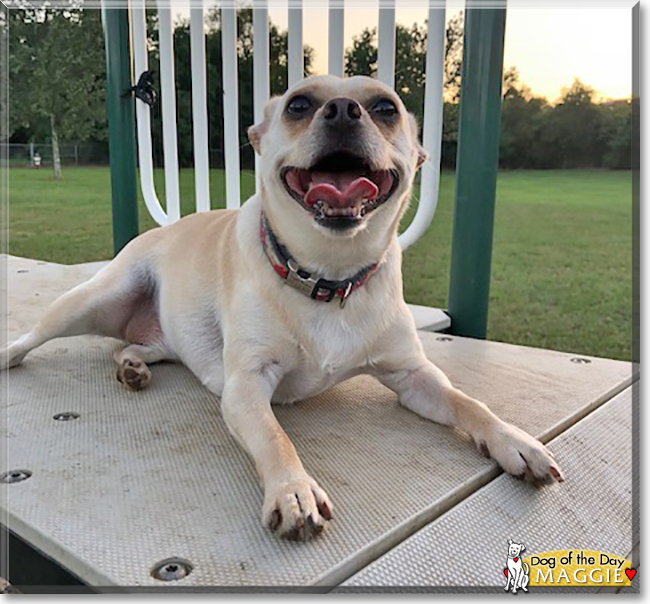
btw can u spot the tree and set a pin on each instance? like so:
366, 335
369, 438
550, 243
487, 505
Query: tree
617, 134
410, 61
410, 76
410, 57
574, 128
278, 41
520, 114
57, 73
453, 57
361, 58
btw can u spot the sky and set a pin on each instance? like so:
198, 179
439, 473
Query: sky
549, 47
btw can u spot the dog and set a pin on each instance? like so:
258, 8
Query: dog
517, 576
296, 291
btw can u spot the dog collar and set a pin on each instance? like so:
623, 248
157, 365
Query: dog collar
322, 290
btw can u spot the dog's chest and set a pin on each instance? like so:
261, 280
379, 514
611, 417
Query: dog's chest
328, 353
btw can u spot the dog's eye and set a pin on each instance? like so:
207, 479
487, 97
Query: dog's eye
299, 105
384, 108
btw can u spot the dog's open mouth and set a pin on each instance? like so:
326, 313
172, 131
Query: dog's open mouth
340, 189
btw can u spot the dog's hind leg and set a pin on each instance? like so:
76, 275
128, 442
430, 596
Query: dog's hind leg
100, 306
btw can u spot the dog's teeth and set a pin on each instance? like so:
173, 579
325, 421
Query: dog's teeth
325, 210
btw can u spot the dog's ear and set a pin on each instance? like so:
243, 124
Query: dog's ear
523, 547
509, 541
256, 132
422, 153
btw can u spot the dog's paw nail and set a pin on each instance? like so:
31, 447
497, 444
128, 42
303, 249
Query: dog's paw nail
557, 474
483, 448
315, 528
276, 520
324, 510
292, 535
536, 481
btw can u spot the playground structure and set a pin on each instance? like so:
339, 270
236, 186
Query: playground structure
113, 488
125, 29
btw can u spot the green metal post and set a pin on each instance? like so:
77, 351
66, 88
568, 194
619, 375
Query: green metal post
476, 170
121, 124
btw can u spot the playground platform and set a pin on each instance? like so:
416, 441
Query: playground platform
124, 481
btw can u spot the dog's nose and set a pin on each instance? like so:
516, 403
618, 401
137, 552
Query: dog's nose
342, 112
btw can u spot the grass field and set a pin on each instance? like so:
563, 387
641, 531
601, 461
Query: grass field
562, 259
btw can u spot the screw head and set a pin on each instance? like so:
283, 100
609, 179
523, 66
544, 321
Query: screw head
171, 569
580, 360
444, 339
66, 416
15, 476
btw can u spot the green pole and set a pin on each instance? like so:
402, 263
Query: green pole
476, 170
121, 124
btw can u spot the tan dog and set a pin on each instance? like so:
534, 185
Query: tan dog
294, 293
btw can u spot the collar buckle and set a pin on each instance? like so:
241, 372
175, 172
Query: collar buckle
325, 290
306, 285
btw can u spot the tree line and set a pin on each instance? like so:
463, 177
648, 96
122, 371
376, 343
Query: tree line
57, 75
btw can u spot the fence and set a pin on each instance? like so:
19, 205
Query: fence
138, 61
26, 155
21, 155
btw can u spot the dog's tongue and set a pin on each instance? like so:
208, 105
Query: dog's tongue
340, 190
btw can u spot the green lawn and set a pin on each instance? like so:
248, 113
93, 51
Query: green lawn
562, 260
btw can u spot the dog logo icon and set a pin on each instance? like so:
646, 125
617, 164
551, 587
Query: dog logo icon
516, 571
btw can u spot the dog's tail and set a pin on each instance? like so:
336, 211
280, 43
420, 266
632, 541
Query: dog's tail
527, 567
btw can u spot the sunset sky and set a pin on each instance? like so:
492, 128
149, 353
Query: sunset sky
549, 46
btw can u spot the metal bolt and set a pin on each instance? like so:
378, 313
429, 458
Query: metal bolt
580, 360
66, 416
444, 339
171, 569
24, 270
15, 476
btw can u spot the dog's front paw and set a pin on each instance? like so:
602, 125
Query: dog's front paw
519, 454
296, 509
12, 356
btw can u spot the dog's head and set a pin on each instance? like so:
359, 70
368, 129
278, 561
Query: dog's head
514, 549
337, 154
